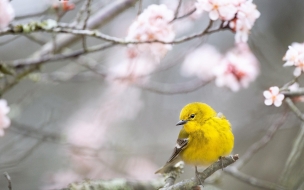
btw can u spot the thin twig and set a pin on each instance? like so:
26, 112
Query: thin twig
105, 37
35, 39
233, 171
293, 157
170, 89
177, 9
294, 108
56, 57
262, 142
9, 40
8, 178
298, 92
185, 15
88, 10
139, 7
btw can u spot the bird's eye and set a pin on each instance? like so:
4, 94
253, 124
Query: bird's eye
192, 116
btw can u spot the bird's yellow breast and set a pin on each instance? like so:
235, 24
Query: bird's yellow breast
207, 141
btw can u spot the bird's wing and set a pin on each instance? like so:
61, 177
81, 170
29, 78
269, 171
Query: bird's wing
180, 145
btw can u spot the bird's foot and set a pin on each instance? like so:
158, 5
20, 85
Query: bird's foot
221, 159
197, 174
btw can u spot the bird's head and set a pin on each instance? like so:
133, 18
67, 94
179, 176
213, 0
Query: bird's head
195, 113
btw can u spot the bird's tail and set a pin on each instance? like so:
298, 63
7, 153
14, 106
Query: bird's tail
169, 166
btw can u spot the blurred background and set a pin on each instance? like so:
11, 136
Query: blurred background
56, 113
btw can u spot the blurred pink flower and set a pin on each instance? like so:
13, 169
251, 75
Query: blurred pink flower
152, 24
295, 57
85, 134
273, 96
245, 18
4, 119
7, 13
218, 9
294, 87
201, 62
140, 168
65, 5
237, 69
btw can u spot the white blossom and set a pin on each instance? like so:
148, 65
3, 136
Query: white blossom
273, 96
7, 13
201, 62
237, 69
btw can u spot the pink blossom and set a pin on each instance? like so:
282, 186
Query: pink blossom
65, 5
218, 9
7, 13
273, 96
295, 57
294, 87
237, 69
4, 119
244, 21
153, 24
201, 62
140, 168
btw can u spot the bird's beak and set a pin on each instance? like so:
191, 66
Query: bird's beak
181, 122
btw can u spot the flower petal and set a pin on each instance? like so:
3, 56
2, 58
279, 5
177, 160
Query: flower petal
280, 97
288, 63
274, 90
268, 102
297, 72
213, 15
277, 103
267, 94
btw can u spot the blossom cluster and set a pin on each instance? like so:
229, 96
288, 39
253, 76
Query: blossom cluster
153, 24
294, 57
236, 69
7, 13
239, 15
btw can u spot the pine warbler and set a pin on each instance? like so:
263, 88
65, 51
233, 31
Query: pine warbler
206, 136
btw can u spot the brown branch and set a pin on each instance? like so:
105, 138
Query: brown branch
262, 142
294, 108
170, 89
233, 171
186, 15
115, 184
102, 17
190, 183
177, 9
288, 176
88, 10
56, 57
297, 92
19, 29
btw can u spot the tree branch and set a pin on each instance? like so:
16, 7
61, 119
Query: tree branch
262, 142
294, 108
189, 183
170, 89
116, 184
252, 180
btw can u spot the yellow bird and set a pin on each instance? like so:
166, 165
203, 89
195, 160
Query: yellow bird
206, 136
